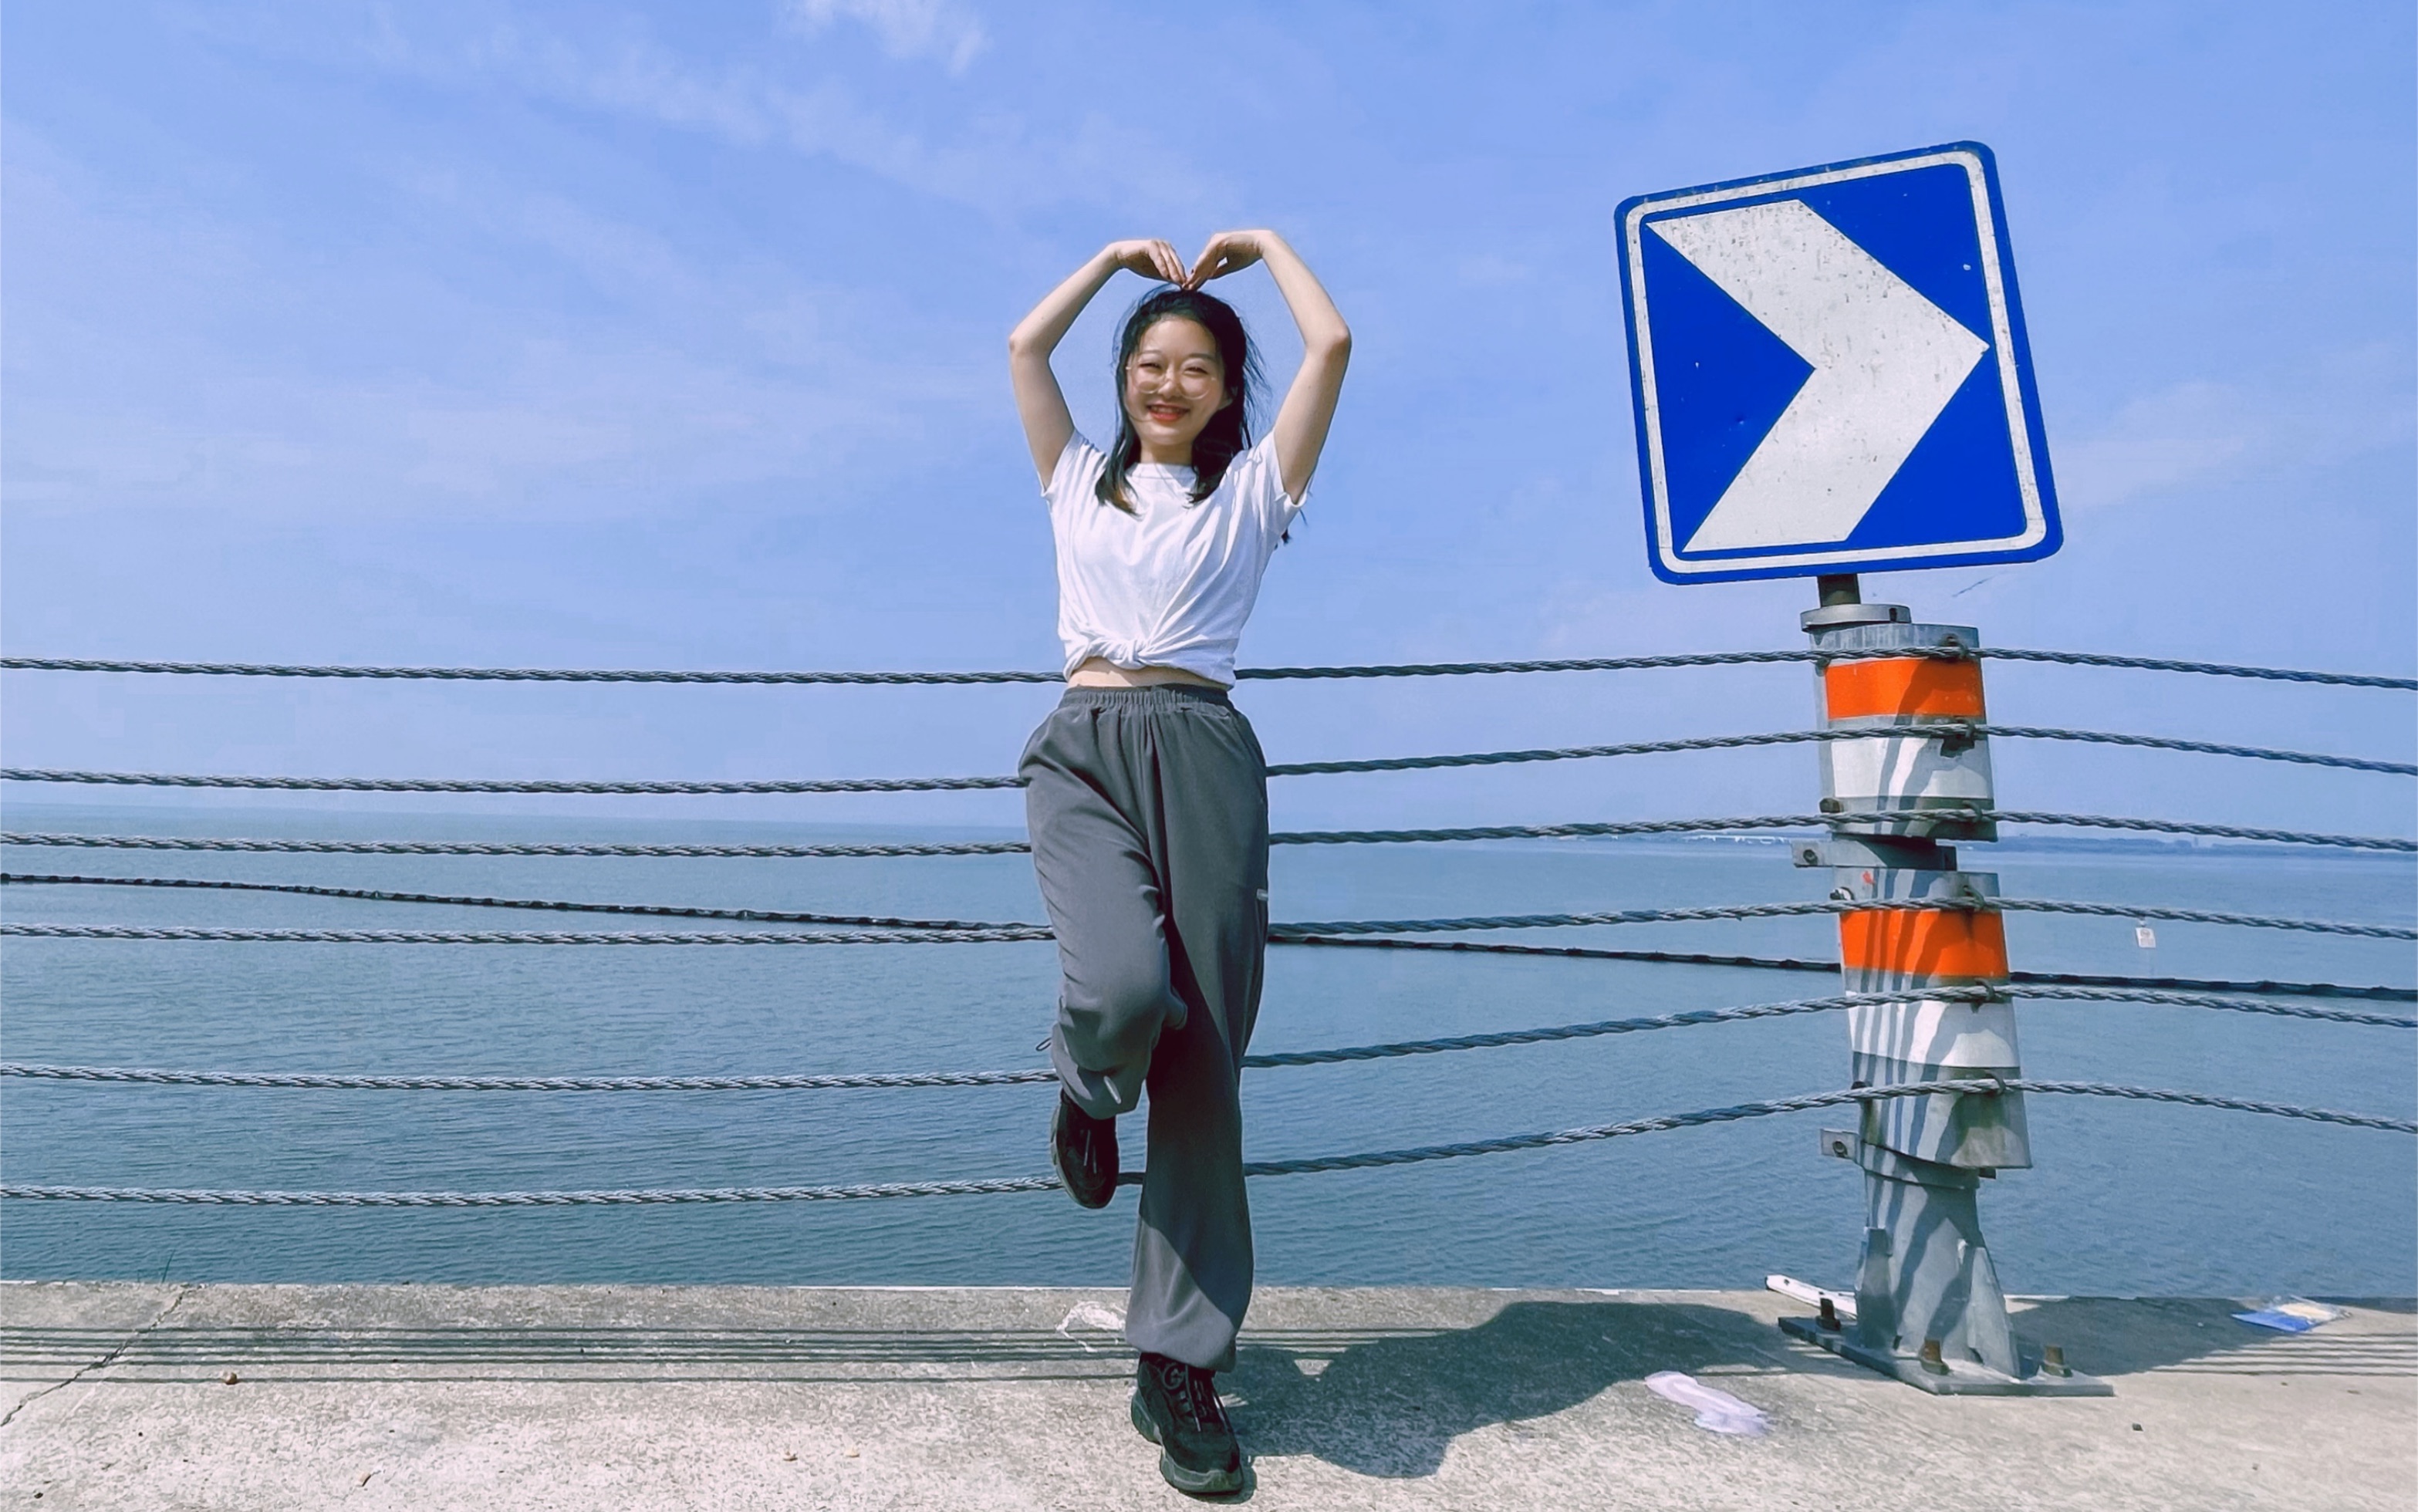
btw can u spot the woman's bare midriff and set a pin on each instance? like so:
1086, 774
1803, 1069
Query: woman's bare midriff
1098, 673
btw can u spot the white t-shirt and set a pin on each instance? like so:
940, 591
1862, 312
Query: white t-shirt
1172, 583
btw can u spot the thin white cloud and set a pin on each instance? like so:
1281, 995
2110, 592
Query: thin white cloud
2184, 434
171, 359
988, 158
2201, 432
938, 29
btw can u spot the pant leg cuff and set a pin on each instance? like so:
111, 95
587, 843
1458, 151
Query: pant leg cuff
1100, 1094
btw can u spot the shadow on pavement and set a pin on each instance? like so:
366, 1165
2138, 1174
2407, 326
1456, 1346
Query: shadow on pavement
2122, 1337
1392, 1406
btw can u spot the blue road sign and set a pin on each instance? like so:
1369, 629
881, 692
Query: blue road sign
1830, 373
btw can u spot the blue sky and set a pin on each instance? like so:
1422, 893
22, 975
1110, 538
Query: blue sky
597, 335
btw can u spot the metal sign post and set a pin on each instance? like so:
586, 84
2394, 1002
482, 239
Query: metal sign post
1929, 1309
1832, 376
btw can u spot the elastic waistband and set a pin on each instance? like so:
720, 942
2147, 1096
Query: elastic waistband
1164, 696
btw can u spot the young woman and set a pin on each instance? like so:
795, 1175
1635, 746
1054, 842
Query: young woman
1148, 799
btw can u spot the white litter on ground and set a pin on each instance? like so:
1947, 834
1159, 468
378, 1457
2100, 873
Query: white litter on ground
1715, 1409
1090, 1315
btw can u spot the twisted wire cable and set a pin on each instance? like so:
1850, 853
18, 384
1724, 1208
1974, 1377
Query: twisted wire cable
2288, 989
2244, 921
613, 1198
1769, 963
485, 785
1777, 911
2226, 1001
1278, 934
1940, 654
512, 848
352, 1081
1292, 769
505, 674
2162, 742
1006, 934
348, 1081
1964, 729
369, 895
1980, 1087
2213, 669
1427, 669
2214, 832
626, 1197
1927, 817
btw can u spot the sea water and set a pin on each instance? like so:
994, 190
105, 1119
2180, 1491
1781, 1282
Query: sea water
2124, 1197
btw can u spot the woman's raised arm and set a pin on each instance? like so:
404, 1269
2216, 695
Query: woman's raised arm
1039, 402
1308, 407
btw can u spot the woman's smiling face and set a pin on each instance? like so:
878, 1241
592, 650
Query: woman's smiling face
1174, 384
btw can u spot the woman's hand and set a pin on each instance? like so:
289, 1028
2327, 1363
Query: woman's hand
1039, 402
1149, 256
1308, 408
1229, 252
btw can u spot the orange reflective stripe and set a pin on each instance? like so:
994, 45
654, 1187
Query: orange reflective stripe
1902, 685
1924, 943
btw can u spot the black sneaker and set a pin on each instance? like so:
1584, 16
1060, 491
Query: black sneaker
1175, 1406
1083, 1149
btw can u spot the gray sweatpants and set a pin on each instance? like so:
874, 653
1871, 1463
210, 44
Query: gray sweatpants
1148, 809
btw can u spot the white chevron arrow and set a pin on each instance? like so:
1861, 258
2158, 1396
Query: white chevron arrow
1886, 362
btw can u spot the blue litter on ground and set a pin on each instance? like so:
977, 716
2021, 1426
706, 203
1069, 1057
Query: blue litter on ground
2290, 1315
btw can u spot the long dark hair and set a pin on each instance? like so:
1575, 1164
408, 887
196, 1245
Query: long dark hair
1228, 435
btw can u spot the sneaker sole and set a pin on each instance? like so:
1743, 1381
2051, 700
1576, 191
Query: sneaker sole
1190, 1482
1058, 1165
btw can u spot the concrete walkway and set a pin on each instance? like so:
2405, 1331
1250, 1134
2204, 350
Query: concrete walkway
591, 1398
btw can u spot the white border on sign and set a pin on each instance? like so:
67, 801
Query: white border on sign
2002, 342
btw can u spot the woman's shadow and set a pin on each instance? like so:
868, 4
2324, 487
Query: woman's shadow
1392, 1406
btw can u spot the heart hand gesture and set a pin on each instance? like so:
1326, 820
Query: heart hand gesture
1229, 252
1149, 256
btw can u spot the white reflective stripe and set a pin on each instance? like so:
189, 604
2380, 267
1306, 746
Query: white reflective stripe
1871, 774
1936, 1033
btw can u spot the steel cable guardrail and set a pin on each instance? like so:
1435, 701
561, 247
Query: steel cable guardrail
1952, 730
1011, 934
626, 1197
500, 785
650, 910
510, 674
1278, 934
1803, 821
1945, 730
825, 1081
2375, 993
1778, 910
1424, 669
501, 847
2288, 989
1335, 933
1587, 829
